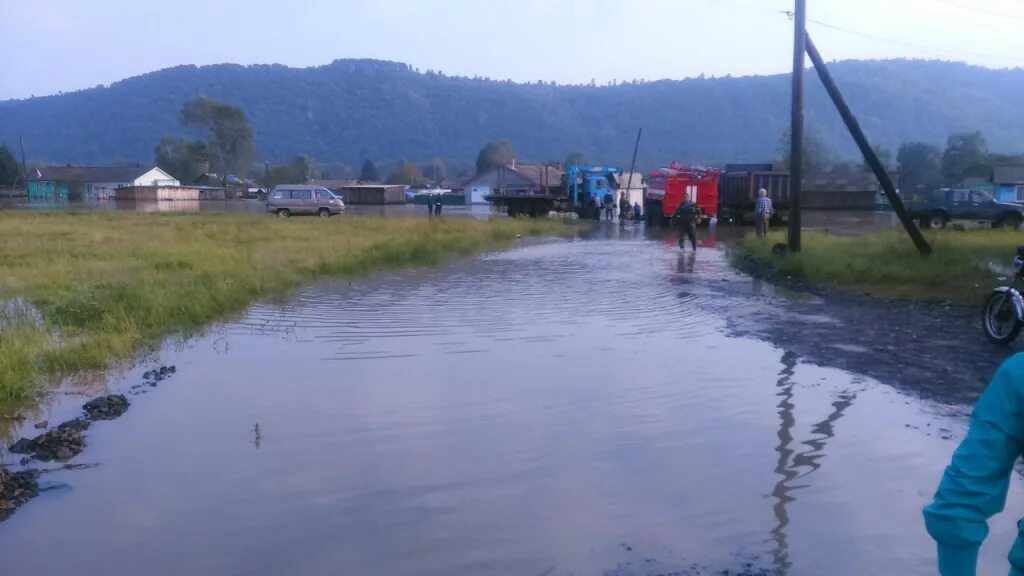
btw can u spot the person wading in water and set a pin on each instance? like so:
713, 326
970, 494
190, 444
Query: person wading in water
685, 218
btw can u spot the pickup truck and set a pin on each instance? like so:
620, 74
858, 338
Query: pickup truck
937, 208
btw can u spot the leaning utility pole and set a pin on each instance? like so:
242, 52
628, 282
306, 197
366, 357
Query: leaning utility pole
24, 168
796, 126
632, 165
865, 148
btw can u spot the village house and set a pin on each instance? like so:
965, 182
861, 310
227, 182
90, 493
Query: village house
514, 178
93, 182
1009, 183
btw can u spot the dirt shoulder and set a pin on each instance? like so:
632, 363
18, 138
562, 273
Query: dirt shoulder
935, 350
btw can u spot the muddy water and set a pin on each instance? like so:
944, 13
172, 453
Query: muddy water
561, 408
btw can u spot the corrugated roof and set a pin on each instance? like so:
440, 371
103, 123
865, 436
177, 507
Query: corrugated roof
1008, 175
535, 173
88, 173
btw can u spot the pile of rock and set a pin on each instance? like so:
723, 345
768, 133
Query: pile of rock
106, 407
16, 488
61, 443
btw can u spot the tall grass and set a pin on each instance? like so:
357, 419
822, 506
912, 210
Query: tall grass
963, 267
108, 284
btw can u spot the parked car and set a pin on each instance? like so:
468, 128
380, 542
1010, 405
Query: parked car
295, 199
937, 208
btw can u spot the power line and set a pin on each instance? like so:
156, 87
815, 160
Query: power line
982, 10
893, 41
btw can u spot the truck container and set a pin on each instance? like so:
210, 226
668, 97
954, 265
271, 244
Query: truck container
737, 194
668, 187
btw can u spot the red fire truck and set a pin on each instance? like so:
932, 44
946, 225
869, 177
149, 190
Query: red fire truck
667, 187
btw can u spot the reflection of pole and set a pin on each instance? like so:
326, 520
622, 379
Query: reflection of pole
781, 491
790, 462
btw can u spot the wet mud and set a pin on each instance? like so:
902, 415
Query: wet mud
935, 350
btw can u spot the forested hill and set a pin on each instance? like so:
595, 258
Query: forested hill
351, 110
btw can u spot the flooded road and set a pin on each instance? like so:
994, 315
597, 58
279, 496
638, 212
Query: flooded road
570, 407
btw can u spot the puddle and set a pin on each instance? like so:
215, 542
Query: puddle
565, 408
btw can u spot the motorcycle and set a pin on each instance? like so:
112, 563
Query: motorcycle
1003, 314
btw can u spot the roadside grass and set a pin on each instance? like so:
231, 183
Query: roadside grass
964, 265
102, 286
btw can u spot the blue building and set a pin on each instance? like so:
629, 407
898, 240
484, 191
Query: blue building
1009, 183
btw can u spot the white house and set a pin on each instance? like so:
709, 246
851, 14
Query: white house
95, 182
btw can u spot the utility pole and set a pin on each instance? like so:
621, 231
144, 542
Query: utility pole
632, 165
796, 127
24, 168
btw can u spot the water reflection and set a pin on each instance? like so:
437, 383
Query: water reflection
792, 465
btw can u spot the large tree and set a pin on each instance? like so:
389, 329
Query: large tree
10, 171
435, 171
575, 159
919, 166
227, 131
302, 169
369, 172
494, 154
182, 158
406, 173
817, 157
966, 155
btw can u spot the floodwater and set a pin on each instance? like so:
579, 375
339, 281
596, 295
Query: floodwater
562, 408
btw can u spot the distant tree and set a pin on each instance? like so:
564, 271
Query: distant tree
435, 171
281, 174
920, 165
182, 158
369, 172
883, 153
575, 158
817, 157
965, 153
10, 170
844, 168
227, 131
302, 169
406, 173
494, 154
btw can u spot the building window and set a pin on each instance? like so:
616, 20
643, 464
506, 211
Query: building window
1020, 193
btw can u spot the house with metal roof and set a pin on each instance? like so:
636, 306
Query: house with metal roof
518, 178
92, 182
1009, 183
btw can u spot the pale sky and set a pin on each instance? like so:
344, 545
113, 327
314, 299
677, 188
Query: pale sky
48, 46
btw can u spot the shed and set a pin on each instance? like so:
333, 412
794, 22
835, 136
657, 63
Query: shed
844, 191
371, 194
157, 193
1009, 183
93, 182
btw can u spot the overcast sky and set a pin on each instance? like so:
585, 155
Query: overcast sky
61, 45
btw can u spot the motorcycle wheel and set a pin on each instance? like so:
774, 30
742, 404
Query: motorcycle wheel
999, 318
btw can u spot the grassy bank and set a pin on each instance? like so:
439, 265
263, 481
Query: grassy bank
885, 263
78, 291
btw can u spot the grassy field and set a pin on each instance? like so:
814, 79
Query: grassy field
78, 291
885, 263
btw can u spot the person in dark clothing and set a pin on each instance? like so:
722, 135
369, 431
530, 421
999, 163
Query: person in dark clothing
430, 204
609, 205
685, 218
637, 213
623, 207
438, 203
593, 209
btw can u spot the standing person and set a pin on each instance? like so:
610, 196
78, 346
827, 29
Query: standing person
623, 207
974, 487
609, 205
637, 213
438, 203
763, 211
685, 218
430, 204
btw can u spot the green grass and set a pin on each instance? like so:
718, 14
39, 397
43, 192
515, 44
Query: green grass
108, 285
885, 263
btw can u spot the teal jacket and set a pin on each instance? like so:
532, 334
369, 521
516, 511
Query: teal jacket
975, 484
